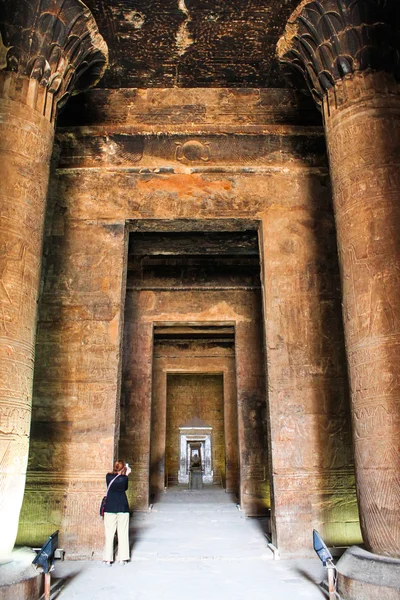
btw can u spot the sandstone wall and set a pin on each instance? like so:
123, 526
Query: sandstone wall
196, 358
190, 396
240, 307
209, 156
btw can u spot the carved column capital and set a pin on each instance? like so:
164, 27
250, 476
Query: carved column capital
327, 41
55, 44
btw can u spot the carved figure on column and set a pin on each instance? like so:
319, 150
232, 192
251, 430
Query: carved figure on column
49, 49
346, 54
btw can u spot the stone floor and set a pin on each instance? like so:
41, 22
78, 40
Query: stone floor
195, 545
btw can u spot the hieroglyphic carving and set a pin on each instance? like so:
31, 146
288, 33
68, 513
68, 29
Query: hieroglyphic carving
10, 253
336, 47
351, 189
48, 51
372, 421
17, 268
376, 134
326, 41
15, 420
16, 379
371, 303
373, 379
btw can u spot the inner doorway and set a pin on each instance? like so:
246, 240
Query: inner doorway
194, 307
191, 406
195, 403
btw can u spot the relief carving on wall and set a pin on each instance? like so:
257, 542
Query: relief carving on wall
11, 255
193, 151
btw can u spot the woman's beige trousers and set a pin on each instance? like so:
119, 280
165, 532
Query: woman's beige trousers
116, 522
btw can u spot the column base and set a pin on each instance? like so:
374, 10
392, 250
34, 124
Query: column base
366, 576
19, 580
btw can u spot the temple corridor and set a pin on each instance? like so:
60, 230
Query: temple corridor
200, 275
195, 544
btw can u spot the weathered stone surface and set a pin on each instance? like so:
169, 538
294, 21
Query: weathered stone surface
309, 415
91, 211
74, 420
353, 76
326, 41
362, 574
366, 194
187, 110
188, 43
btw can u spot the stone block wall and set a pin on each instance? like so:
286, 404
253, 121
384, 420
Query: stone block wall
190, 155
190, 396
243, 309
170, 359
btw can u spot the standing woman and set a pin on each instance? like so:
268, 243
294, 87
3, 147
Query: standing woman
116, 514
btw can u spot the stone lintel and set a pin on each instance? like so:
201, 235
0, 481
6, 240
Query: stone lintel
191, 130
169, 110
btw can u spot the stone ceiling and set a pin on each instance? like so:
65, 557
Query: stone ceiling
192, 43
202, 259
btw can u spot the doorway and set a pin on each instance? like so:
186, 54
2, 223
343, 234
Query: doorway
190, 397
193, 317
189, 402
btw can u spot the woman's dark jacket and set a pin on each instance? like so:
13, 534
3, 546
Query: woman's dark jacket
116, 497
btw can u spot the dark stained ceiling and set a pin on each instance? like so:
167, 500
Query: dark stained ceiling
192, 43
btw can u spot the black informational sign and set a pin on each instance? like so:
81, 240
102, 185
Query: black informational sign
45, 556
320, 548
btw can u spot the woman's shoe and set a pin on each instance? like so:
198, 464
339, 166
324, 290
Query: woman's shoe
107, 563
122, 563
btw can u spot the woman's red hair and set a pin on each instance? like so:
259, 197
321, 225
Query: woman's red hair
119, 465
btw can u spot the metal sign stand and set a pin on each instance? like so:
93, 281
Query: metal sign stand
47, 586
330, 567
327, 560
45, 560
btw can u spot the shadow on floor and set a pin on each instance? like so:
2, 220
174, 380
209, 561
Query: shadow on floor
60, 584
136, 531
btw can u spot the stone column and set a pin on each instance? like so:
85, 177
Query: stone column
345, 51
48, 50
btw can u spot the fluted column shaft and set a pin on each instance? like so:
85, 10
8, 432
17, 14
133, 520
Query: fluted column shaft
346, 53
362, 124
49, 49
26, 142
